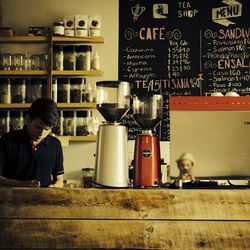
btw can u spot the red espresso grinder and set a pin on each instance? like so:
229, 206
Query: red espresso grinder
147, 112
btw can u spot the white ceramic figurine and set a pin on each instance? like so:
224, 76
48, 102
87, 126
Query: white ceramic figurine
185, 164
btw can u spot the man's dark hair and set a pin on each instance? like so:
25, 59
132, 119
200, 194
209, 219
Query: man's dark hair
45, 109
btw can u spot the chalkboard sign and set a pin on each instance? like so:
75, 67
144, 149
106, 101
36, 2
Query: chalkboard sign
183, 48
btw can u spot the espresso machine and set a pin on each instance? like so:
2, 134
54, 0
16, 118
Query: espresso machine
113, 102
147, 112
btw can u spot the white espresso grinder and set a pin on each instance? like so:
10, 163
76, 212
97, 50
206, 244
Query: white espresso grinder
113, 102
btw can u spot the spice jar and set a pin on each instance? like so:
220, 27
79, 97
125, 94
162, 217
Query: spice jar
35, 62
33, 89
6, 61
69, 61
83, 57
27, 61
76, 87
16, 120
4, 122
18, 90
69, 124
5, 91
17, 62
58, 28
63, 94
58, 57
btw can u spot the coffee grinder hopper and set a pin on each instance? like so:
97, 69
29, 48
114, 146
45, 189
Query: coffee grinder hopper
147, 111
113, 100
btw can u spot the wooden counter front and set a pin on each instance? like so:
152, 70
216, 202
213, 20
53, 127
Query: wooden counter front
124, 218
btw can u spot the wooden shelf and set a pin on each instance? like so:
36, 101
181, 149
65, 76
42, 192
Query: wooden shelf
50, 73
63, 39
44, 39
82, 105
15, 106
77, 73
78, 138
23, 39
24, 72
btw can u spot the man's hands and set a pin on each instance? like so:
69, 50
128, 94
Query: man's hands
32, 183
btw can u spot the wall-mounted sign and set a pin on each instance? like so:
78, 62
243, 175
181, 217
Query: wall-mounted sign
184, 48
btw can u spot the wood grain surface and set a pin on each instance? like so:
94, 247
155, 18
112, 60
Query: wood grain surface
124, 218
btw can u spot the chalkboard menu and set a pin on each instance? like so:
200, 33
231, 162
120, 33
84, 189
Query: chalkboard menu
183, 48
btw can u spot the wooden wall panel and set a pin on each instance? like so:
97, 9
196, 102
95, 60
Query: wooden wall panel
138, 234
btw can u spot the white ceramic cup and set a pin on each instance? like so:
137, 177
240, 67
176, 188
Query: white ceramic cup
217, 94
231, 93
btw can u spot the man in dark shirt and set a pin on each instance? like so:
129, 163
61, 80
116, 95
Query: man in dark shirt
31, 157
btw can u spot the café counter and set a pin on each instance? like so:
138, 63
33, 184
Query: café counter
124, 218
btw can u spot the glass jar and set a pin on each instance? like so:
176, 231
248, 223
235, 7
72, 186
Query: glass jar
18, 90
6, 61
76, 87
58, 57
82, 123
69, 124
69, 55
44, 89
44, 58
16, 120
17, 62
54, 89
4, 122
83, 57
5, 90
33, 89
57, 129
88, 176
27, 61
58, 28
63, 93
35, 62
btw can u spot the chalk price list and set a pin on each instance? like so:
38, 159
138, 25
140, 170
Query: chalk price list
178, 58
226, 58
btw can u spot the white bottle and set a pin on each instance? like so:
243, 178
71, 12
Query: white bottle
88, 93
95, 64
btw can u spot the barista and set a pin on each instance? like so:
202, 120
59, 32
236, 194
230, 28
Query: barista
185, 164
31, 157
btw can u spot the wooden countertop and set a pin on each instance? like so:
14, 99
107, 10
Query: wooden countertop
124, 218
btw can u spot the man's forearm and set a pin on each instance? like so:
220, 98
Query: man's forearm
6, 182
